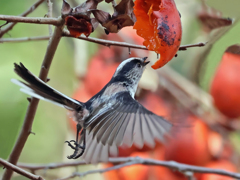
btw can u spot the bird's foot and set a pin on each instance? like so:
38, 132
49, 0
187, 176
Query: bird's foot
77, 153
70, 145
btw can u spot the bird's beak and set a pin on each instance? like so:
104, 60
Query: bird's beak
144, 61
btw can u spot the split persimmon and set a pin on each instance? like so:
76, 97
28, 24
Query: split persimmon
158, 22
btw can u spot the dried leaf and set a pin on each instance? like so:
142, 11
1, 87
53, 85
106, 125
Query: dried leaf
77, 27
123, 16
66, 9
124, 7
211, 23
101, 16
94, 23
84, 7
118, 23
78, 19
212, 19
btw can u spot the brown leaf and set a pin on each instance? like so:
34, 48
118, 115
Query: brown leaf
94, 23
212, 19
101, 16
79, 26
118, 23
66, 9
211, 23
84, 7
124, 7
78, 19
123, 16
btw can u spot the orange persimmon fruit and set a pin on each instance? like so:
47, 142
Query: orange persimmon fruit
158, 22
225, 87
189, 143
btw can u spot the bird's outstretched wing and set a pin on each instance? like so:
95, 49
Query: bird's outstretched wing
97, 152
37, 88
127, 122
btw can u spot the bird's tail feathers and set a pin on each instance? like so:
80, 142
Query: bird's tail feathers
39, 89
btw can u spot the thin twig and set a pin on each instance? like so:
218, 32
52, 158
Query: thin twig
124, 44
27, 125
19, 170
11, 25
134, 160
34, 20
34, 167
49, 3
95, 40
24, 39
77, 174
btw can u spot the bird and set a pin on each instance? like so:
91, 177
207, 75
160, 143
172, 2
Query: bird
109, 119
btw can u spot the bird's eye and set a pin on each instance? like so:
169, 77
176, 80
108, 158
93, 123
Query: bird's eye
139, 65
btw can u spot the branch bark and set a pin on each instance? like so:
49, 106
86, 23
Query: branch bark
24, 39
49, 3
34, 20
18, 170
131, 161
183, 168
95, 40
11, 25
124, 44
27, 125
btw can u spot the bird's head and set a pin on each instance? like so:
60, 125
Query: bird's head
130, 71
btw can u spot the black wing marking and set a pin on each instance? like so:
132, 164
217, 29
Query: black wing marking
128, 122
39, 89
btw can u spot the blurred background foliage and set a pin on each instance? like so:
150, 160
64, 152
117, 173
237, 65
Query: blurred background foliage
70, 61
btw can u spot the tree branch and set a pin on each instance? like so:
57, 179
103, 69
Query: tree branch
11, 25
18, 170
97, 41
34, 20
34, 167
24, 39
124, 44
130, 161
49, 3
27, 125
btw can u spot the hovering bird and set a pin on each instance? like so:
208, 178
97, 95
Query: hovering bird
110, 118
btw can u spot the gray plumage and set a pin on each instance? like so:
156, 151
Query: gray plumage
109, 119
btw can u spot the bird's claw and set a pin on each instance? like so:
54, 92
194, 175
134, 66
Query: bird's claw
77, 147
70, 145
